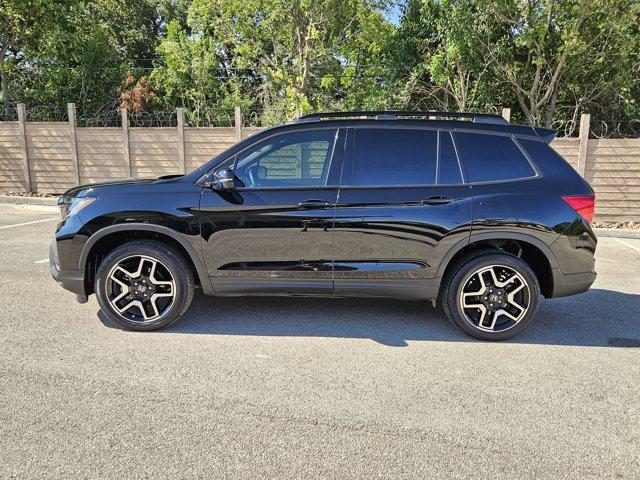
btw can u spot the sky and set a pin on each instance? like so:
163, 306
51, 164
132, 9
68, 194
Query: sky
393, 13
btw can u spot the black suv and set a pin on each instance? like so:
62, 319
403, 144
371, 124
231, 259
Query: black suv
466, 210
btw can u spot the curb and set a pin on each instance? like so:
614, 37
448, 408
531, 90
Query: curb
616, 233
16, 200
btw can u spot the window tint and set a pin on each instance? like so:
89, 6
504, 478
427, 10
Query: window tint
492, 157
448, 168
392, 157
292, 159
546, 158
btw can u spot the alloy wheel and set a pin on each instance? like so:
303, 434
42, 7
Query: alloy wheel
140, 289
495, 298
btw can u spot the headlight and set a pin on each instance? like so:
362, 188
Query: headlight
75, 206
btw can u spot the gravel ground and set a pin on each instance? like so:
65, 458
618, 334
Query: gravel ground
623, 225
30, 194
308, 388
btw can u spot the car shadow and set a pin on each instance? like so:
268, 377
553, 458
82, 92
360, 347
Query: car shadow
595, 318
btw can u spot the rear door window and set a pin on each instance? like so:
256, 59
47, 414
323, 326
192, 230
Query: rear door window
391, 157
489, 158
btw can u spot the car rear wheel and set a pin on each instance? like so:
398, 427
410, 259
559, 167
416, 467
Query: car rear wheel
144, 285
491, 295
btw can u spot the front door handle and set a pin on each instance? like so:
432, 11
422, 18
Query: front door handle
437, 200
314, 204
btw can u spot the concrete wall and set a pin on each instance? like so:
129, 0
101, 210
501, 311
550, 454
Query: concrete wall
54, 156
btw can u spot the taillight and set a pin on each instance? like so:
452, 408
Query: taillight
584, 205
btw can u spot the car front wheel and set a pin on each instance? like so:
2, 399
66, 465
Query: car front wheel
144, 285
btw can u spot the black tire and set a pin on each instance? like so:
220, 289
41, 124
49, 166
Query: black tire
171, 263
461, 275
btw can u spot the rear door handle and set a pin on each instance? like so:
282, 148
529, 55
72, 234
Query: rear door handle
314, 204
437, 200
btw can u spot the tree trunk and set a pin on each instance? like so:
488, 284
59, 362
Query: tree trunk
4, 88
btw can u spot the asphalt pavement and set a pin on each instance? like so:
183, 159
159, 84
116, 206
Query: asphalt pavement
312, 388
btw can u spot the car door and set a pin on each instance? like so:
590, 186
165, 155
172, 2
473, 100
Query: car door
273, 232
402, 205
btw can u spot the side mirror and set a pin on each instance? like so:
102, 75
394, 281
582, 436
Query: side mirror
224, 179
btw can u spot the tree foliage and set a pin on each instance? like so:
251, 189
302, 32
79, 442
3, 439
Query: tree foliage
546, 59
274, 57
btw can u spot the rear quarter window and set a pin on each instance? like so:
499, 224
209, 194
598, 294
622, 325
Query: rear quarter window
490, 158
546, 158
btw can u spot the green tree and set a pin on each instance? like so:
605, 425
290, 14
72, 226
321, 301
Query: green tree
458, 67
547, 44
84, 54
23, 23
279, 57
442, 44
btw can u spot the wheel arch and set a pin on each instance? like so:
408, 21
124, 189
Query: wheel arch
114, 235
536, 253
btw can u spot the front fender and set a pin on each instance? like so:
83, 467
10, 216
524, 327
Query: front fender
191, 251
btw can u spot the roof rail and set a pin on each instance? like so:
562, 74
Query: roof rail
402, 114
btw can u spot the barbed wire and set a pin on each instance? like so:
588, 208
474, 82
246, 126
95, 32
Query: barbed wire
615, 129
565, 128
222, 116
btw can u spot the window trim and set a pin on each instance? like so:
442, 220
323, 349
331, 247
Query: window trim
346, 131
461, 164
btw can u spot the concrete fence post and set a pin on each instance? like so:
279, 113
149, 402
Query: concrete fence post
125, 141
506, 114
585, 124
182, 166
73, 141
22, 125
238, 123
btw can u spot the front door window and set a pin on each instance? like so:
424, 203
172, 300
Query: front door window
297, 159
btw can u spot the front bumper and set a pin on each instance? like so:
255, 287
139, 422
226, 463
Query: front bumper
72, 280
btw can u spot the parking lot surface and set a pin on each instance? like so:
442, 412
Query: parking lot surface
312, 388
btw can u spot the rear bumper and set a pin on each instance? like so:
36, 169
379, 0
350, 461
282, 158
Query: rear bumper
72, 280
571, 284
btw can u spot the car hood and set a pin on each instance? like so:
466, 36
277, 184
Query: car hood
91, 188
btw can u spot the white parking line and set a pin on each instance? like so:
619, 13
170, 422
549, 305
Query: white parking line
627, 244
28, 223
44, 260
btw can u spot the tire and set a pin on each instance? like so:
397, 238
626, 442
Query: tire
508, 309
151, 273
